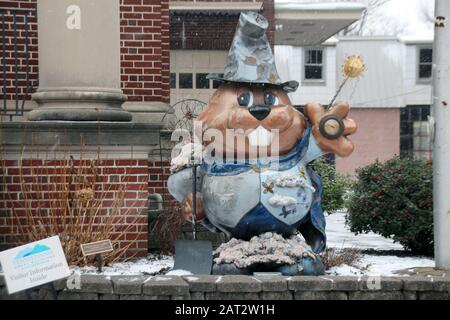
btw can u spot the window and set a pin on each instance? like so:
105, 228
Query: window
217, 83
313, 66
201, 82
185, 81
173, 80
414, 134
425, 63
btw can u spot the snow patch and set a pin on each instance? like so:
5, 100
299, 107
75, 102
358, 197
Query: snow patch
150, 265
370, 265
339, 236
163, 278
192, 278
179, 272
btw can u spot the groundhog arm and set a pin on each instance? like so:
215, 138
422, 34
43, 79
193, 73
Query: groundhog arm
180, 183
313, 151
341, 146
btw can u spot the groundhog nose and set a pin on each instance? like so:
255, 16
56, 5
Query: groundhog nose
259, 112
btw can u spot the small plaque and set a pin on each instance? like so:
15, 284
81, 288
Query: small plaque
97, 247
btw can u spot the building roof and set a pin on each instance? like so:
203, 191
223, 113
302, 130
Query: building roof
320, 6
303, 24
214, 7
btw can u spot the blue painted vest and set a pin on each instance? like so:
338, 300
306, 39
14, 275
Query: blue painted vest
247, 199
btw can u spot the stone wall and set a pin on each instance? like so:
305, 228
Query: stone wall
97, 287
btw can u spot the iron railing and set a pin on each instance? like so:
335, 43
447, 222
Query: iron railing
12, 64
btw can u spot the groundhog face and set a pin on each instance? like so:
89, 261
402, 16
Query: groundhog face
261, 117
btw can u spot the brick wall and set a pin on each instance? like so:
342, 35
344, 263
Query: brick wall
41, 183
202, 32
22, 8
211, 31
269, 13
145, 49
145, 77
158, 176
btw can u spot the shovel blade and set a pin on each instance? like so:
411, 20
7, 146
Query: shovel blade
194, 256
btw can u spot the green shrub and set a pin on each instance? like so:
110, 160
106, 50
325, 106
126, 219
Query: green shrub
394, 199
335, 185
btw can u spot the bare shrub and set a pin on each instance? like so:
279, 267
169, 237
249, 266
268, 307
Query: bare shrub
168, 227
332, 257
65, 197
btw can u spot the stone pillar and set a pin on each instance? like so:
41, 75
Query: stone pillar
79, 62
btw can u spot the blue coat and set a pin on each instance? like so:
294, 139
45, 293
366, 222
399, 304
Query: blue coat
280, 195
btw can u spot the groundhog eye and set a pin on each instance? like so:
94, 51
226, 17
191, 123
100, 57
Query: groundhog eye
245, 99
270, 99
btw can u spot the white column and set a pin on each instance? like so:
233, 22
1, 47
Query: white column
79, 61
441, 151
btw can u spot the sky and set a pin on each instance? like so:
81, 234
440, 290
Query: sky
403, 18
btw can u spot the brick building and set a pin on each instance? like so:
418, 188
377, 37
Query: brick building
103, 74
126, 53
97, 74
200, 37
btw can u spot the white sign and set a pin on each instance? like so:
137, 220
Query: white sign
34, 264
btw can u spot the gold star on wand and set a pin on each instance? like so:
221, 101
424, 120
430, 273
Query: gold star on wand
331, 126
352, 68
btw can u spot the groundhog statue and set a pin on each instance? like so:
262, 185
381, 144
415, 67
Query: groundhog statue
247, 193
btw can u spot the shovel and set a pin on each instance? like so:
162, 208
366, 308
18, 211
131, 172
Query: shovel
194, 255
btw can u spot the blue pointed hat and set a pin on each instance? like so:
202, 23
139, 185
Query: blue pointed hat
250, 59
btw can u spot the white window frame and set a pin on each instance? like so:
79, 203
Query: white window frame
314, 82
418, 64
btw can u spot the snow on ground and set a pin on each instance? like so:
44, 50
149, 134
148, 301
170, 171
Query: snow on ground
179, 272
374, 265
151, 265
339, 236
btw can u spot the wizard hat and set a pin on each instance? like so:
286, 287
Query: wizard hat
250, 59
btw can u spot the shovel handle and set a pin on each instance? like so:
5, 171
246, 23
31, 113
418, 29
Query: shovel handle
194, 201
